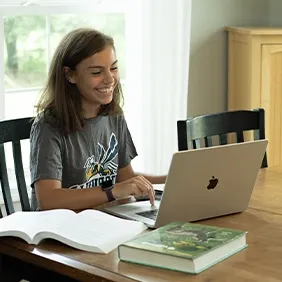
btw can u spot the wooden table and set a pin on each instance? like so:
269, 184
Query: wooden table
261, 261
267, 195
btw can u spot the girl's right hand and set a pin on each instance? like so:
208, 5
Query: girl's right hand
136, 186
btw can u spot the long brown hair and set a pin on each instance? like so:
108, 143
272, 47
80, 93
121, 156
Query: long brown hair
60, 100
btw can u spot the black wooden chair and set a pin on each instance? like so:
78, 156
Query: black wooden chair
193, 130
14, 131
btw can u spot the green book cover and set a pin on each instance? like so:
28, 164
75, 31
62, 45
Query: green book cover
188, 240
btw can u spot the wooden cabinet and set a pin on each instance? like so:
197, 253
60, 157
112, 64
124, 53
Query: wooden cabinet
255, 79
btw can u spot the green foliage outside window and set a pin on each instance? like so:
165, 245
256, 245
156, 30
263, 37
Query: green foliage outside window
26, 43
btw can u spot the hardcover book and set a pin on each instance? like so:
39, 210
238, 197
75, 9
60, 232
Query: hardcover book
186, 247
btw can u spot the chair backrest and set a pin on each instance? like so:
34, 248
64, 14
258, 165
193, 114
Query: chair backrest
204, 127
14, 131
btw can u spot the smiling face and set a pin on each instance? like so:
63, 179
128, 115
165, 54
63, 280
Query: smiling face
96, 78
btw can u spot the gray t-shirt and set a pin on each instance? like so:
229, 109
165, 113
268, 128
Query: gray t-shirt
82, 159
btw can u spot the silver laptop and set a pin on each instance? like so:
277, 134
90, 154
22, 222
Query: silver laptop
202, 183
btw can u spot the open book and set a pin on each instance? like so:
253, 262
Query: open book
89, 230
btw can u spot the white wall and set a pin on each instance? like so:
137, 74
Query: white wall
208, 61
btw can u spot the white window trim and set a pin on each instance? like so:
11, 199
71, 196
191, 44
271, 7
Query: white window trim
109, 6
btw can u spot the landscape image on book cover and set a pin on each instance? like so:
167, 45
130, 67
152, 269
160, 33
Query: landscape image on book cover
199, 246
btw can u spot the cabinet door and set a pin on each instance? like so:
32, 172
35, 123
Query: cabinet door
271, 100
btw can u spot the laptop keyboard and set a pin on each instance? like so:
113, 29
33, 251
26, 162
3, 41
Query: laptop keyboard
152, 214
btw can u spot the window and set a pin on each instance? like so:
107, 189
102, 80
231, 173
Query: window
153, 47
30, 38
30, 41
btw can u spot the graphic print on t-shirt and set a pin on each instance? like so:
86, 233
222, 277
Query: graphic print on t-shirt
103, 168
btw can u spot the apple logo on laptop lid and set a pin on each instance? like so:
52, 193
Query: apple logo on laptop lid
212, 183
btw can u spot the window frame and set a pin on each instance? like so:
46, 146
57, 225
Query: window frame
106, 6
109, 6
46, 11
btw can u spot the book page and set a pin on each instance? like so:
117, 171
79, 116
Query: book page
30, 223
110, 231
93, 230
